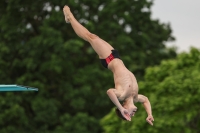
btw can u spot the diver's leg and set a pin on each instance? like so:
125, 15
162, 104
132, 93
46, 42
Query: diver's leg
102, 48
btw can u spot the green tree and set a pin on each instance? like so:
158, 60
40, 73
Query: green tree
37, 48
173, 88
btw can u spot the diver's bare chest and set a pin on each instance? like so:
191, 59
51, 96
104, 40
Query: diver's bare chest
128, 92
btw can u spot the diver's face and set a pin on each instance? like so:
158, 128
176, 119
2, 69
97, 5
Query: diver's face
132, 110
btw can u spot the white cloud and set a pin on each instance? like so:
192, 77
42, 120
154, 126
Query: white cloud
183, 15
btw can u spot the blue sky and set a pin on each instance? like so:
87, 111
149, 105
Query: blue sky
184, 18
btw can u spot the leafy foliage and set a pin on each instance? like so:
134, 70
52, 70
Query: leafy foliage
37, 48
173, 88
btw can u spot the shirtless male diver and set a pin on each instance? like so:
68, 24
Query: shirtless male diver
126, 87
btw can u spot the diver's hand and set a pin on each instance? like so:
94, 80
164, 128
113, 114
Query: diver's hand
150, 119
125, 113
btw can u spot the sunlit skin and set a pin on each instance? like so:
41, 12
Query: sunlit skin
126, 87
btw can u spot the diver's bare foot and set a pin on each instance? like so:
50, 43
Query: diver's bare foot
67, 13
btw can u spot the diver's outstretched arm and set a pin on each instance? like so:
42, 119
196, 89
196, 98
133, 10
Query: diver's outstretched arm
147, 105
112, 93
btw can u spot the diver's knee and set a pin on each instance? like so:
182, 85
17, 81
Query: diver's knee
92, 37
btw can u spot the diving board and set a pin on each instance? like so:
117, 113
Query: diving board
17, 88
